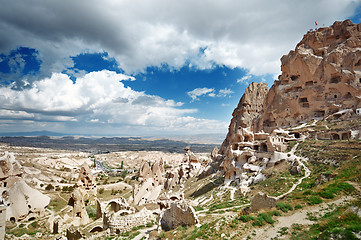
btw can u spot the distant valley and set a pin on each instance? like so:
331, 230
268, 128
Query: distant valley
105, 144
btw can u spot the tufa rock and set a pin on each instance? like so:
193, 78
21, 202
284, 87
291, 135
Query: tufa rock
262, 201
322, 76
73, 233
79, 213
151, 183
248, 108
177, 215
22, 200
86, 179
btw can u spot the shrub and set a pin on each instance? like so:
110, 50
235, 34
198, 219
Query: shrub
312, 200
307, 192
275, 213
326, 194
198, 208
267, 217
101, 190
298, 206
346, 187
284, 207
245, 218
258, 221
92, 212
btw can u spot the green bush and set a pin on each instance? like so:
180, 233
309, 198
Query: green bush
326, 194
92, 212
307, 192
267, 217
258, 221
312, 200
298, 206
198, 208
245, 218
275, 213
284, 207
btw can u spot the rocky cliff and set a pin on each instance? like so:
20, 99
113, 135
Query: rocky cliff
320, 77
247, 110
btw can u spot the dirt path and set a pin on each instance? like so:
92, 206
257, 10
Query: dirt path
301, 162
299, 217
145, 233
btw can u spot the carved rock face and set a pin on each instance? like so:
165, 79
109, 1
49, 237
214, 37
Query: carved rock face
248, 109
320, 77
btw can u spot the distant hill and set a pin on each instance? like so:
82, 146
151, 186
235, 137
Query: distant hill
34, 133
104, 144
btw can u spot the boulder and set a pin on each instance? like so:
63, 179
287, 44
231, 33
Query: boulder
262, 201
177, 215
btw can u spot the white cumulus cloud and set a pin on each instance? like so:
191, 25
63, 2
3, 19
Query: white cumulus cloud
197, 92
98, 98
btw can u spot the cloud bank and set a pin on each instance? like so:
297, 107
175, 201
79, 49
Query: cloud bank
97, 100
247, 34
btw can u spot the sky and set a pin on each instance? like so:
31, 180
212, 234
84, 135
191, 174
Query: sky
144, 67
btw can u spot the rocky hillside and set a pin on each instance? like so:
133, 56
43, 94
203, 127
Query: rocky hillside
320, 77
248, 109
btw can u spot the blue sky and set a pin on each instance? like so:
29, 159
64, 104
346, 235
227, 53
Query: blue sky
144, 68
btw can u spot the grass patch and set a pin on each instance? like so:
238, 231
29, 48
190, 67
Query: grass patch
284, 207
313, 200
245, 218
332, 189
266, 217
198, 208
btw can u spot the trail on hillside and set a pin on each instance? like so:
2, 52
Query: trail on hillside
301, 161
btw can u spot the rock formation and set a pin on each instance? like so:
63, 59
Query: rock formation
177, 215
2, 218
151, 183
262, 201
22, 200
189, 167
248, 108
247, 152
86, 179
320, 77
79, 213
